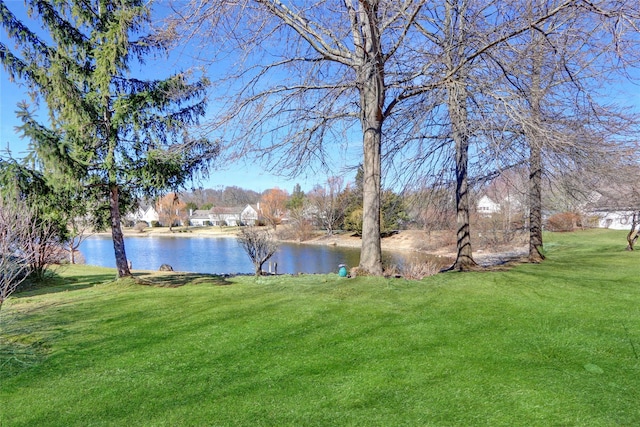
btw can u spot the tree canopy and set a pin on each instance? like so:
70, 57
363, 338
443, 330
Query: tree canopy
116, 135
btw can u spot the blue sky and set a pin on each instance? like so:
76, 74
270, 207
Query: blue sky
253, 176
243, 174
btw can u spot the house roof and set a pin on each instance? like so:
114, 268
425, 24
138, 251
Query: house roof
613, 199
200, 213
232, 210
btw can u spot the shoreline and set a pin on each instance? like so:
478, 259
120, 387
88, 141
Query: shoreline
404, 241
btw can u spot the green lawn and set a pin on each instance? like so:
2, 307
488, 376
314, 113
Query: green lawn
555, 344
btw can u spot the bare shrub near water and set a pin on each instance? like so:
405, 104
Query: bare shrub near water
414, 270
300, 231
436, 240
140, 226
498, 229
420, 270
304, 231
259, 244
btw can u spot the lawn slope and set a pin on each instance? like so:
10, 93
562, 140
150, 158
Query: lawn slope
536, 345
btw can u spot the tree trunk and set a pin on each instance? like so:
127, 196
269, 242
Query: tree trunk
458, 115
372, 95
535, 202
535, 141
116, 233
455, 29
464, 258
632, 236
371, 251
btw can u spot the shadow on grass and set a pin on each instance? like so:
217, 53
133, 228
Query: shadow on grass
15, 358
175, 279
55, 283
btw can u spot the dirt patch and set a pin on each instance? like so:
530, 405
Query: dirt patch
405, 240
439, 244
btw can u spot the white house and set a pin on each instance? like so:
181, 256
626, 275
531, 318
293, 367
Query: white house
222, 215
616, 220
250, 215
486, 206
146, 214
613, 208
200, 217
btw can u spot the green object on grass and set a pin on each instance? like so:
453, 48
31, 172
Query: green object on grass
342, 270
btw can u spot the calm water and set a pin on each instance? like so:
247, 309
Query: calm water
218, 255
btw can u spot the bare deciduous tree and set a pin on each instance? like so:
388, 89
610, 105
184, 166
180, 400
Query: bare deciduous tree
557, 73
172, 210
272, 206
14, 226
558, 40
459, 36
313, 74
259, 244
632, 236
80, 228
326, 203
42, 244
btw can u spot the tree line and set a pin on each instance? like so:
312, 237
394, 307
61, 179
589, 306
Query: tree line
438, 94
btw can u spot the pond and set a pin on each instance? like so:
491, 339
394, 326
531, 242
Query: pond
220, 255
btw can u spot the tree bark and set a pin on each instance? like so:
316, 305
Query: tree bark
372, 95
535, 202
632, 236
371, 250
116, 233
457, 93
458, 115
535, 141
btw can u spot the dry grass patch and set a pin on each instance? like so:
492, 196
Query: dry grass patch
173, 279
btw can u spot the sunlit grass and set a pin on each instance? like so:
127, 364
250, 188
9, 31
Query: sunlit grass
549, 344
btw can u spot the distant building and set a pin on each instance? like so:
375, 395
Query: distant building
486, 206
223, 215
200, 217
614, 208
146, 214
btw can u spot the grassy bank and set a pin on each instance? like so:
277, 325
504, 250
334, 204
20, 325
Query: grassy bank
550, 344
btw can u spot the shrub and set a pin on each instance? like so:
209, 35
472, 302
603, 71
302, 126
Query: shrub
140, 226
353, 222
259, 245
420, 270
564, 221
300, 230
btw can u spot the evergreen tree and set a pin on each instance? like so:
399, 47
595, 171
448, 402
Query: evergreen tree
296, 201
394, 215
117, 136
353, 196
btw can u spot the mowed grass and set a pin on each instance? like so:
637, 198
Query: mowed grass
535, 345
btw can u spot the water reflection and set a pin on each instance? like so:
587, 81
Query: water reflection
219, 255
